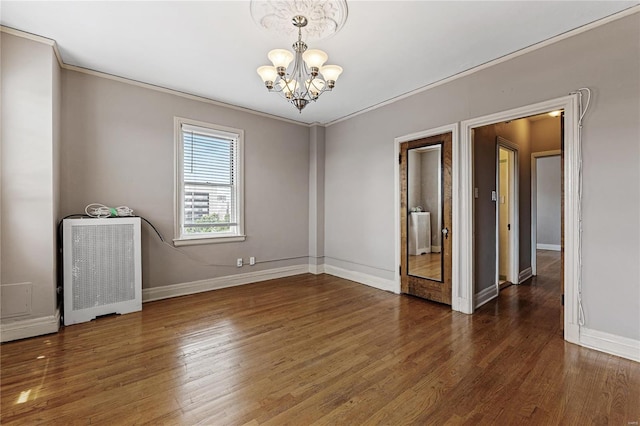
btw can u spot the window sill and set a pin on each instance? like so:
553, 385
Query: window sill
178, 242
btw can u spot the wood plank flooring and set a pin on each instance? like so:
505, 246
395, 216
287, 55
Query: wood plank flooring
428, 265
320, 350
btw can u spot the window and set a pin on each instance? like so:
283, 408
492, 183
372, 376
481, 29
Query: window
208, 183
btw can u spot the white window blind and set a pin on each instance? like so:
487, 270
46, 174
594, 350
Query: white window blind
209, 189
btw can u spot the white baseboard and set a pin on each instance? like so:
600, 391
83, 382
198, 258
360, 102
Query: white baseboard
484, 296
183, 289
610, 343
359, 277
436, 249
571, 332
554, 247
316, 269
525, 275
21, 329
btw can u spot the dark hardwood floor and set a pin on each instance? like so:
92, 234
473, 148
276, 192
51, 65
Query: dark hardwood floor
321, 350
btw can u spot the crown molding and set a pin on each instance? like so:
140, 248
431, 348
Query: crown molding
587, 27
53, 44
179, 93
37, 38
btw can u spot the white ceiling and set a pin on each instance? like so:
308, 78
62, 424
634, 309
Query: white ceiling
212, 49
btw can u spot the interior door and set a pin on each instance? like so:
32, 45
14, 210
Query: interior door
425, 218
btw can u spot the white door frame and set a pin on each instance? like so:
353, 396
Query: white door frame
463, 213
534, 203
514, 212
454, 130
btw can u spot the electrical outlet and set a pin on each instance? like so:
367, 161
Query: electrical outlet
239, 262
252, 260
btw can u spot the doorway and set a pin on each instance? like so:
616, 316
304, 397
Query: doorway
496, 207
547, 181
426, 217
530, 134
507, 247
463, 286
464, 239
503, 255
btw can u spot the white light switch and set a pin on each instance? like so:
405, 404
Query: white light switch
494, 196
475, 192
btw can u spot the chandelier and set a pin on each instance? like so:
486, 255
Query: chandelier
308, 78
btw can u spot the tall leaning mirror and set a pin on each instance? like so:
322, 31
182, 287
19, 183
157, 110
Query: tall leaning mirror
424, 210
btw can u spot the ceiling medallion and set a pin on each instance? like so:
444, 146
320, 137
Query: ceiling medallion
324, 17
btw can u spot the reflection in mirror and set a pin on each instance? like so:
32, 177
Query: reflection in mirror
424, 221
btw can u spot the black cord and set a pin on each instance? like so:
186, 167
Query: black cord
154, 228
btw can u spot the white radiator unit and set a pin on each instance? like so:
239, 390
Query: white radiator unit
102, 268
419, 233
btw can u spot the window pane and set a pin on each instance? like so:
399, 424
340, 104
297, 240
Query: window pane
208, 208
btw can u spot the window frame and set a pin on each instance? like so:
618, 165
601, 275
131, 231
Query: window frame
181, 239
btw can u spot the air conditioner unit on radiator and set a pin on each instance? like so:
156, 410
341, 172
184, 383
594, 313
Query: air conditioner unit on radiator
102, 268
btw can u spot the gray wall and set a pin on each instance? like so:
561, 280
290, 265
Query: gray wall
316, 195
29, 189
549, 200
360, 161
414, 179
430, 191
118, 149
546, 134
484, 208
